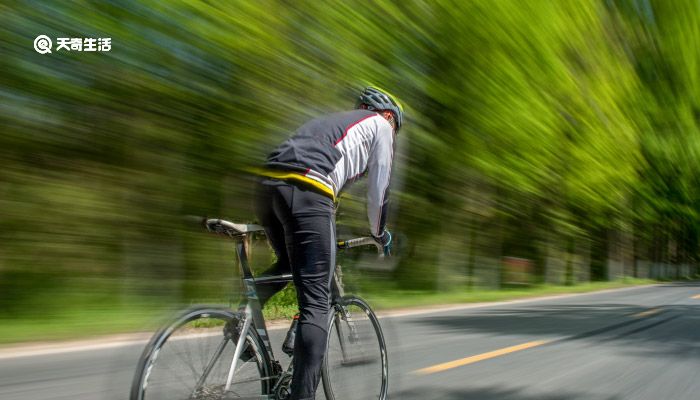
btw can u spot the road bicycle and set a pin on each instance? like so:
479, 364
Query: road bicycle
215, 353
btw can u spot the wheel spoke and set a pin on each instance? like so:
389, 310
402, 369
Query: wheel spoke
207, 369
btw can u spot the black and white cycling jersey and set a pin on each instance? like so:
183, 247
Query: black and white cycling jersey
331, 151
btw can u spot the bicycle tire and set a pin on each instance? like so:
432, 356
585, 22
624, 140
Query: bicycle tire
356, 365
177, 355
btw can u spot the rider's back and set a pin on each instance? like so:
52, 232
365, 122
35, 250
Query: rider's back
333, 149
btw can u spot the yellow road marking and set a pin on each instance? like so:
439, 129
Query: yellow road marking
647, 313
479, 357
697, 296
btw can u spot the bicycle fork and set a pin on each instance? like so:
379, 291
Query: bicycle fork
344, 317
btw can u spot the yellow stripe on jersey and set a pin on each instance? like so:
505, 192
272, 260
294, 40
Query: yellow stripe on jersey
295, 176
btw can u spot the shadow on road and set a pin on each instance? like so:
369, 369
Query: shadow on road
671, 330
491, 393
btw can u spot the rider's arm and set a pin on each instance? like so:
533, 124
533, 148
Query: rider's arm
379, 174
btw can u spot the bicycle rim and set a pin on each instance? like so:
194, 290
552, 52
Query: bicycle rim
356, 364
197, 345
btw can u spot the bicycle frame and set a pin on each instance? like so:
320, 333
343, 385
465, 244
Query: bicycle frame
250, 307
252, 311
274, 381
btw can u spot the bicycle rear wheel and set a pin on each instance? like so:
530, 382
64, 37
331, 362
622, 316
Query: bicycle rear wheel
191, 359
356, 364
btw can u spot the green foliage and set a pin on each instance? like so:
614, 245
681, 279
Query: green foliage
282, 305
534, 129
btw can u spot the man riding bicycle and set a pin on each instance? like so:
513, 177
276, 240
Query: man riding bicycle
296, 205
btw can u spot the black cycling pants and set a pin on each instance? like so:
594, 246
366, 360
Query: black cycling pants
300, 225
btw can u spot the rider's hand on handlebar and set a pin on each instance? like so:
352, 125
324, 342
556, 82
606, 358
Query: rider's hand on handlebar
385, 241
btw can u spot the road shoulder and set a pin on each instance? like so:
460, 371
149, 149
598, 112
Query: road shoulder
140, 338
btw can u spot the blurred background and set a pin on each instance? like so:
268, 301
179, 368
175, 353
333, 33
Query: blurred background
548, 144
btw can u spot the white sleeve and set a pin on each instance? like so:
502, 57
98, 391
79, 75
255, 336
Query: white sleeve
379, 174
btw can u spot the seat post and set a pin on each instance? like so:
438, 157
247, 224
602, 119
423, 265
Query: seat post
242, 249
251, 303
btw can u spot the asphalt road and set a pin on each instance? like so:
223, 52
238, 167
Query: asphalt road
638, 343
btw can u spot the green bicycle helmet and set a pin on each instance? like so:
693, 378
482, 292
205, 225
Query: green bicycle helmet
376, 100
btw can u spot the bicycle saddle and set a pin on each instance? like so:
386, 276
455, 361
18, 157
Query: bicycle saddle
230, 228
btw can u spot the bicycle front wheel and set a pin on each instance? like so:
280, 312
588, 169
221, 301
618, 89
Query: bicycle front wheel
356, 364
191, 359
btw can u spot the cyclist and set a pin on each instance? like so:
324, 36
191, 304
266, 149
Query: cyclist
295, 204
